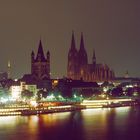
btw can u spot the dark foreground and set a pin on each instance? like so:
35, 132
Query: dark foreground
91, 124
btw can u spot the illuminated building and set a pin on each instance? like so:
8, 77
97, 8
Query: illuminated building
79, 68
68, 87
16, 91
29, 86
17, 88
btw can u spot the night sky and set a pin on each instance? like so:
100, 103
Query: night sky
111, 27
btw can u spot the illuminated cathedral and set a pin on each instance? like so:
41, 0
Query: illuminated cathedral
79, 68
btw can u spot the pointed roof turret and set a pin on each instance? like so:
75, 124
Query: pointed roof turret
40, 53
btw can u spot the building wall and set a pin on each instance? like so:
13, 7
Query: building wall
17, 89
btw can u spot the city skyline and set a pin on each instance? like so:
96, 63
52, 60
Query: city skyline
111, 28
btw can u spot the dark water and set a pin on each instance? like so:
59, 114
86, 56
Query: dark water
92, 124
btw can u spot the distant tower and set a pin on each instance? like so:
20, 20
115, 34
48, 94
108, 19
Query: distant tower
40, 65
9, 69
72, 68
94, 59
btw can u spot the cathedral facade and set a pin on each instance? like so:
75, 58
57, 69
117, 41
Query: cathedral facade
79, 68
40, 64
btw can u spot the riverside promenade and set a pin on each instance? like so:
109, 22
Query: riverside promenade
53, 107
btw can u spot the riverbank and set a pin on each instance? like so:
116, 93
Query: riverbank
35, 110
39, 110
109, 103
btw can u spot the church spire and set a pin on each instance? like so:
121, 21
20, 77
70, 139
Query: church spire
82, 52
82, 42
40, 54
73, 41
72, 67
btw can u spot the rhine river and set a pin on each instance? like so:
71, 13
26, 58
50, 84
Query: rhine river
92, 124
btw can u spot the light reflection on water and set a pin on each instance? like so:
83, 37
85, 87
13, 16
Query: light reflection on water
99, 124
102, 123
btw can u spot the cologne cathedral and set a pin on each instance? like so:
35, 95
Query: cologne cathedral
79, 68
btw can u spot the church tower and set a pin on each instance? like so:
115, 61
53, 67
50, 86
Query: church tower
40, 65
82, 54
79, 68
82, 58
72, 68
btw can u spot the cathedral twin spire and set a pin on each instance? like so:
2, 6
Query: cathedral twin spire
73, 46
82, 52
